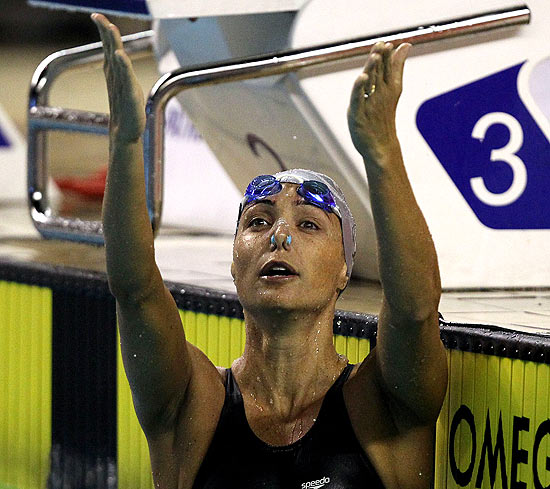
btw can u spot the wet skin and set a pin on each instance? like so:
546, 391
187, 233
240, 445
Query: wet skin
393, 397
289, 360
315, 254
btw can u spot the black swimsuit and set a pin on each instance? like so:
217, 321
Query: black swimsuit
328, 455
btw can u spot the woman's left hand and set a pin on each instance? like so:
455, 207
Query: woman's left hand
371, 113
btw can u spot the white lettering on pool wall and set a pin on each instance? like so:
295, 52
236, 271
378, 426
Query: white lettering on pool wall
316, 484
493, 453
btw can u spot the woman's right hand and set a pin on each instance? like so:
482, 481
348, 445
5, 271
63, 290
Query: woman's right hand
371, 113
126, 103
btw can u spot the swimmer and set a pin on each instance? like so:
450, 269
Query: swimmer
291, 412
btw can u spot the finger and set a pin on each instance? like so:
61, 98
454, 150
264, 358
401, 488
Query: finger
98, 20
115, 37
118, 88
102, 24
372, 70
386, 61
377, 48
103, 27
358, 91
125, 70
398, 62
110, 35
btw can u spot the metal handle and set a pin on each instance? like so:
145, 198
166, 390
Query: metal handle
230, 71
43, 118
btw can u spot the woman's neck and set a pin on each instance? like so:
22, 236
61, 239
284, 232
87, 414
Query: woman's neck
289, 360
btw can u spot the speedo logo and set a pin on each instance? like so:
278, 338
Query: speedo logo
316, 484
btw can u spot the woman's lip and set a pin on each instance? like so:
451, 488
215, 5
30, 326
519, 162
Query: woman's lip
274, 264
277, 278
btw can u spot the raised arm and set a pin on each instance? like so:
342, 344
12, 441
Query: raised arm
410, 359
157, 358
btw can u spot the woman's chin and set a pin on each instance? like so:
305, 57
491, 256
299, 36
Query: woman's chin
279, 302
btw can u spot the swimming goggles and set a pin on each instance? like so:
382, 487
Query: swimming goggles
312, 191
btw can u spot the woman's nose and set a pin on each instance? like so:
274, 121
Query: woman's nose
281, 238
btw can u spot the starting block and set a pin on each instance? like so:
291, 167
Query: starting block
473, 119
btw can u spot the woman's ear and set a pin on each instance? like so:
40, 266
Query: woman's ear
343, 278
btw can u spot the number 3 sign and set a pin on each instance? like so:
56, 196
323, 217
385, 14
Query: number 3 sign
493, 149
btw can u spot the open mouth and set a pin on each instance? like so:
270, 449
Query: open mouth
277, 270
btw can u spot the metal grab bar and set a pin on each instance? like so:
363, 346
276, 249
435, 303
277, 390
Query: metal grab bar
42, 118
230, 71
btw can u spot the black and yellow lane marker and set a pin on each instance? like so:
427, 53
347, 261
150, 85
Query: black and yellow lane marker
84, 397
494, 427
25, 385
67, 418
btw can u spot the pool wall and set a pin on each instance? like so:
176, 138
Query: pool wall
68, 420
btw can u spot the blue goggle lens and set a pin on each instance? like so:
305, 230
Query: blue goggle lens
316, 193
262, 186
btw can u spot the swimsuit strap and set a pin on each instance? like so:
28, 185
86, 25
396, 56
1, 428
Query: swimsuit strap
230, 383
232, 391
330, 448
232, 388
341, 380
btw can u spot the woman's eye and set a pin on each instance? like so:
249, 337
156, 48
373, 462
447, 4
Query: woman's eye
309, 225
257, 221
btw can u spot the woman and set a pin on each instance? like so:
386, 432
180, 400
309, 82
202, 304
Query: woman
290, 412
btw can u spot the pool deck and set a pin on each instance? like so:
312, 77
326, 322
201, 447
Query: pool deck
204, 260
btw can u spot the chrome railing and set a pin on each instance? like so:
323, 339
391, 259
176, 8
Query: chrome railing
43, 118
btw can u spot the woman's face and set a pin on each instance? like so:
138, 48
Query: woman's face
305, 272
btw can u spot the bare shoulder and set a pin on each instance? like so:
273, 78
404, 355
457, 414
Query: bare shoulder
366, 405
179, 454
402, 456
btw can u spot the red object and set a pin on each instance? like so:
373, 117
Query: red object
91, 187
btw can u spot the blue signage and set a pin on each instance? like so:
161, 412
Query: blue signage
493, 150
4, 142
136, 7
